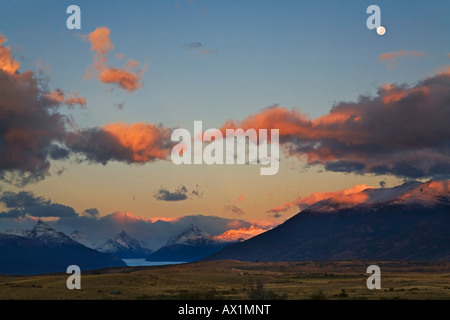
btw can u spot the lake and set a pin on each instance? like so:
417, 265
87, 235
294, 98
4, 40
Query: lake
143, 262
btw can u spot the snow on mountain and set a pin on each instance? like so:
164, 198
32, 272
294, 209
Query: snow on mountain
124, 246
190, 245
42, 232
121, 241
17, 232
43, 249
191, 236
83, 239
45, 234
428, 193
408, 222
413, 192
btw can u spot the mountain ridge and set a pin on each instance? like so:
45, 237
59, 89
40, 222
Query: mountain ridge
125, 247
43, 249
399, 225
191, 244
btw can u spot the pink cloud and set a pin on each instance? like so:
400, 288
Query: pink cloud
125, 78
391, 58
352, 195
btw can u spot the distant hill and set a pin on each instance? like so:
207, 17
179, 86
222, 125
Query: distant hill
43, 250
408, 222
125, 247
190, 245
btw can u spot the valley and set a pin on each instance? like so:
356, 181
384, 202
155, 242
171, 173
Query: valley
237, 280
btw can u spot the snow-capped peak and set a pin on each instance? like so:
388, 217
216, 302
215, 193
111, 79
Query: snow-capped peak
83, 239
191, 235
428, 193
44, 233
122, 241
413, 192
41, 228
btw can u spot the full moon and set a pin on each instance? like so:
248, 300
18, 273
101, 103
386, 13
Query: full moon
381, 30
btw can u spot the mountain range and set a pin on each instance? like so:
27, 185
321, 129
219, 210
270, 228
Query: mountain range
124, 246
43, 249
407, 222
190, 245
82, 238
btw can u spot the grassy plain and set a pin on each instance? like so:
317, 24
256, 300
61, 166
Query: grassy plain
227, 279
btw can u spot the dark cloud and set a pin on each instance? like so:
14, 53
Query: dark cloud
181, 193
24, 207
22, 199
120, 106
165, 195
33, 131
234, 209
403, 130
198, 47
193, 45
30, 122
58, 153
135, 143
98, 146
24, 203
91, 213
276, 215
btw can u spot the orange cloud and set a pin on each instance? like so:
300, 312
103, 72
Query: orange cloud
7, 62
391, 57
351, 195
165, 219
289, 122
60, 97
444, 70
240, 234
100, 41
46, 219
392, 93
145, 141
125, 78
263, 223
402, 130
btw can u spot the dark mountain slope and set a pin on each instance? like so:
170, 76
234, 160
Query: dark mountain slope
393, 227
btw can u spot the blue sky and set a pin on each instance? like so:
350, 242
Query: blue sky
299, 54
